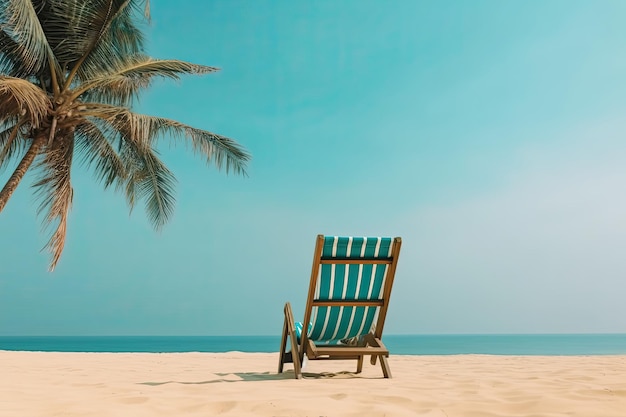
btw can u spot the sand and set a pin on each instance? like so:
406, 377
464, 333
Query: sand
36, 384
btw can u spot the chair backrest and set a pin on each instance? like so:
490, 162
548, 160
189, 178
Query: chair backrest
351, 282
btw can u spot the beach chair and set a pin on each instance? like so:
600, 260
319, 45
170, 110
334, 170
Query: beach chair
351, 282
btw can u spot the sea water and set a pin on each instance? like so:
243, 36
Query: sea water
532, 344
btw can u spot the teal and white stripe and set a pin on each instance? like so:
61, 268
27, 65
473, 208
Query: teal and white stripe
349, 282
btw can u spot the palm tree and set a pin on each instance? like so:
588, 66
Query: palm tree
69, 72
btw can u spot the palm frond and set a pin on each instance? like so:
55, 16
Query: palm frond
146, 10
149, 180
72, 27
135, 73
12, 145
144, 130
20, 23
146, 177
12, 60
55, 190
21, 98
157, 188
122, 38
132, 165
89, 37
97, 152
69, 72
118, 38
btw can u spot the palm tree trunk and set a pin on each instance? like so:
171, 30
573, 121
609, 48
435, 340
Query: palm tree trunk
20, 171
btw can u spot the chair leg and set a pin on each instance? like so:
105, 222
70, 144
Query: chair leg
359, 364
385, 366
293, 340
297, 364
283, 349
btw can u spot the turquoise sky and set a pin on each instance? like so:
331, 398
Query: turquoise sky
489, 135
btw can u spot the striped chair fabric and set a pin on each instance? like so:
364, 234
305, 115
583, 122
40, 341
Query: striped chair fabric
348, 282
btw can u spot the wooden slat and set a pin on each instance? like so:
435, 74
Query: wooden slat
336, 358
348, 303
319, 246
349, 351
311, 349
357, 261
395, 254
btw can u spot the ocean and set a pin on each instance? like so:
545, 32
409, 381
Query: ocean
535, 344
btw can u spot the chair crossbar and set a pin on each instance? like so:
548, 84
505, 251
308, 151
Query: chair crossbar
348, 303
356, 261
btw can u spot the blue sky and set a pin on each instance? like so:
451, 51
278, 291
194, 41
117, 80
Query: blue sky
489, 135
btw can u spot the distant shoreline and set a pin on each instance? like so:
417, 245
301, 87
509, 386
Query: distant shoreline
530, 344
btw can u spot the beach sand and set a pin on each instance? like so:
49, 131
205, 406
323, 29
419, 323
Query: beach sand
36, 384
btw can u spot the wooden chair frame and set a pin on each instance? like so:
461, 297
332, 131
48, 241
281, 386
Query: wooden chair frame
372, 342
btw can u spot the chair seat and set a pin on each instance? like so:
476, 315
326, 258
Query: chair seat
353, 341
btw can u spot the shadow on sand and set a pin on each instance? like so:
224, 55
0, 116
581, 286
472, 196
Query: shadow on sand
258, 376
